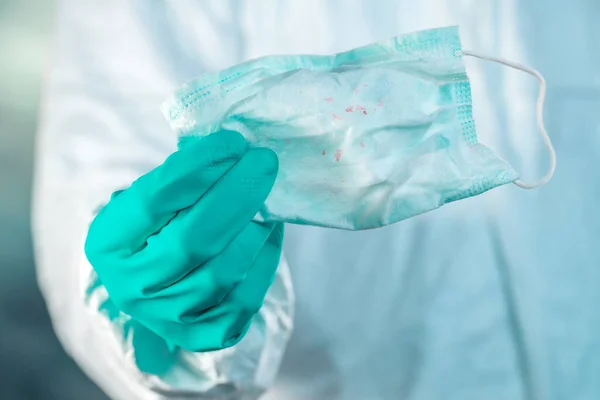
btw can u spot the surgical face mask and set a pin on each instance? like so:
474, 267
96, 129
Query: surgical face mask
364, 138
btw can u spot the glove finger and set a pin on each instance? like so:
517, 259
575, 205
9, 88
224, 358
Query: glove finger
249, 295
204, 230
125, 223
226, 324
205, 286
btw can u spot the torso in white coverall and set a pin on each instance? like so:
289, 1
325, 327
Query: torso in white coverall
494, 297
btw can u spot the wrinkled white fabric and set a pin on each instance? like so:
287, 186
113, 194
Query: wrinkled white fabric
492, 297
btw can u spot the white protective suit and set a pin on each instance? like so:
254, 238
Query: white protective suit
493, 297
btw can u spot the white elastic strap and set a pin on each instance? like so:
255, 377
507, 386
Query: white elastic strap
540, 115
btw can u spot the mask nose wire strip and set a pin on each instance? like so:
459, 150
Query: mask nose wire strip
540, 115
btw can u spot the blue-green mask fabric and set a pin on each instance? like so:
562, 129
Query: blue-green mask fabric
365, 138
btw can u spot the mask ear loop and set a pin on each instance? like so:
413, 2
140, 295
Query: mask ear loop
540, 115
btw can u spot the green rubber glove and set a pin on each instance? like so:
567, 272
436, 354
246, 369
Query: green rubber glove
178, 250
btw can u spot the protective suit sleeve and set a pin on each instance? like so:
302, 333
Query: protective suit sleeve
114, 62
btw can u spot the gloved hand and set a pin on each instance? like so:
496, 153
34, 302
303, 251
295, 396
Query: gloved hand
178, 250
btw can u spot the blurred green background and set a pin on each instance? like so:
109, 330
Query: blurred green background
32, 362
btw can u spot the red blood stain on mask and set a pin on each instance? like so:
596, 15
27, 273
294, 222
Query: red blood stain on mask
338, 155
361, 109
350, 109
329, 100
